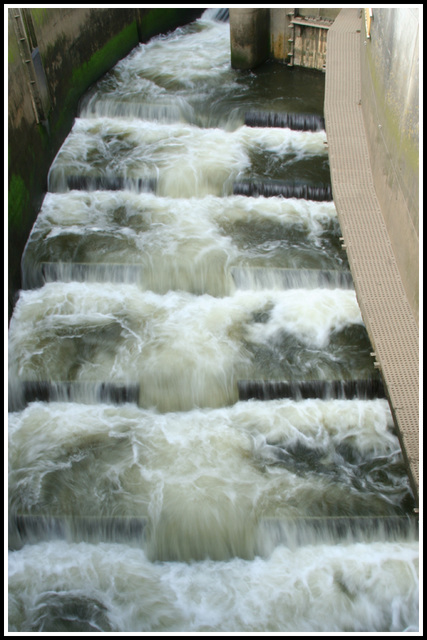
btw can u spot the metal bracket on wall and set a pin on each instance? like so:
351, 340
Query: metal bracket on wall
368, 18
28, 60
290, 16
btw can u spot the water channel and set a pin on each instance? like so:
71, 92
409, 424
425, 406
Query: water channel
150, 490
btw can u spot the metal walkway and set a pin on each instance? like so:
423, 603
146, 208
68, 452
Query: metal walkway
382, 299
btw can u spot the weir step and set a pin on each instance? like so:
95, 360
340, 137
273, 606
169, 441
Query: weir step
84, 272
223, 15
27, 529
260, 277
273, 188
22, 393
24, 529
103, 183
244, 277
322, 389
311, 530
294, 121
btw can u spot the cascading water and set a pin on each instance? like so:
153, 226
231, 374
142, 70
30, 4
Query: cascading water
145, 495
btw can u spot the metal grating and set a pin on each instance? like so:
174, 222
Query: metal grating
382, 299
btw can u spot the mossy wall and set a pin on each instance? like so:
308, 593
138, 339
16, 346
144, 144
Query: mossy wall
76, 47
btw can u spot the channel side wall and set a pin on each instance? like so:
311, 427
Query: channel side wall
54, 56
389, 60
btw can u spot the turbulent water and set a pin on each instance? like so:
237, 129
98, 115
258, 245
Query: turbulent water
181, 507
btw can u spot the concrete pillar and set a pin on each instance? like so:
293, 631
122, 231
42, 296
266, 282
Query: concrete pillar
281, 33
250, 37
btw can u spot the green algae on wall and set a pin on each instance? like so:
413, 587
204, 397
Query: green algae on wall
12, 51
39, 16
19, 203
105, 58
18, 200
85, 75
156, 21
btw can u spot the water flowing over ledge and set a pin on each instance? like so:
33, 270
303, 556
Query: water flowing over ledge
145, 494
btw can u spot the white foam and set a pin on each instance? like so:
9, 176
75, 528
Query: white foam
323, 589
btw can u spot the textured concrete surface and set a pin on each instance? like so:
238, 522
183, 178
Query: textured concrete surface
390, 105
250, 37
382, 299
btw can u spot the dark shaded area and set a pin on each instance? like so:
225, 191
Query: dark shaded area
271, 188
69, 613
97, 392
295, 121
324, 389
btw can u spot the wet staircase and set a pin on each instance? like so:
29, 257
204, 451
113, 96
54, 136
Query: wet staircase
26, 528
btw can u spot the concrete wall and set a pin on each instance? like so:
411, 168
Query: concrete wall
390, 103
63, 52
250, 36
